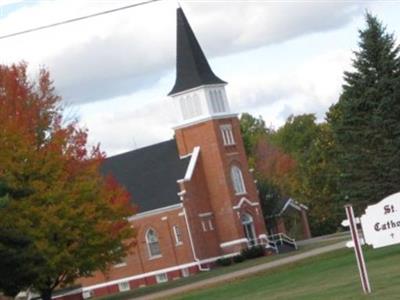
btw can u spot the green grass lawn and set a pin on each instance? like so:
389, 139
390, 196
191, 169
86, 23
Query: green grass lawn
213, 273
329, 276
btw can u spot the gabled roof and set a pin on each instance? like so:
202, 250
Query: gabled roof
284, 204
149, 174
192, 68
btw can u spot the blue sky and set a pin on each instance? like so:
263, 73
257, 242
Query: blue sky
113, 72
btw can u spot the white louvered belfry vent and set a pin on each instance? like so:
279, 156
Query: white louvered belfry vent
190, 106
217, 101
202, 102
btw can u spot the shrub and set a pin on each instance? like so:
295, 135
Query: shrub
253, 252
238, 258
224, 261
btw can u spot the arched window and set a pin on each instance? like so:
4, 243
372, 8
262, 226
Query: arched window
178, 235
237, 180
248, 227
152, 243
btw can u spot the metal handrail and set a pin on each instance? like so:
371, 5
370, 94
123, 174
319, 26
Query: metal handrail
281, 237
267, 243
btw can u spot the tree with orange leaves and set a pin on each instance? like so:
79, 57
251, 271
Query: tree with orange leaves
58, 215
273, 164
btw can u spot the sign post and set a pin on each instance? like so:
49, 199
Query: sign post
357, 249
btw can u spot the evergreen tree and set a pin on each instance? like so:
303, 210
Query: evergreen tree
365, 121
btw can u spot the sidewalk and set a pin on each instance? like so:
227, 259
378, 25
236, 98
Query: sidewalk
241, 273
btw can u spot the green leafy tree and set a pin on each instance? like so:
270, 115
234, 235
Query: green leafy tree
314, 180
252, 130
296, 135
272, 167
60, 219
365, 121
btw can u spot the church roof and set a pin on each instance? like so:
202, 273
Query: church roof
149, 174
284, 204
192, 68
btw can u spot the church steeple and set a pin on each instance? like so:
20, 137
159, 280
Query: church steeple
198, 93
192, 68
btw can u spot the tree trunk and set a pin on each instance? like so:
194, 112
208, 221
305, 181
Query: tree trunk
46, 294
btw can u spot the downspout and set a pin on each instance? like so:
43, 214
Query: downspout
191, 243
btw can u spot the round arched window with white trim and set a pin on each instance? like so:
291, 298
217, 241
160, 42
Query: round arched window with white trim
153, 244
237, 180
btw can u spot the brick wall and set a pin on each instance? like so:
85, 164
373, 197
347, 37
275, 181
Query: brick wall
212, 211
217, 160
139, 261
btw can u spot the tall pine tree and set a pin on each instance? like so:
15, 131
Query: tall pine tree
366, 119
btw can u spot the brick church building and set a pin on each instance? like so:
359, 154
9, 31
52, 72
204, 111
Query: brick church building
196, 197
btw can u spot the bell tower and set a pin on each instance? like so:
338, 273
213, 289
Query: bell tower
207, 123
198, 93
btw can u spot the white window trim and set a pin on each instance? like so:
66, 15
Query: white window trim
120, 265
178, 241
87, 294
151, 256
185, 272
237, 181
164, 279
203, 225
210, 224
124, 286
227, 134
155, 256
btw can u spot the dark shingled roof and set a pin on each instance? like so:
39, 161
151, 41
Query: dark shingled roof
192, 68
279, 206
149, 174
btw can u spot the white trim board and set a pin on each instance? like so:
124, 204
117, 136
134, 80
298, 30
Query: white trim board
155, 211
198, 88
206, 118
206, 214
160, 271
290, 202
233, 242
245, 200
192, 164
293, 203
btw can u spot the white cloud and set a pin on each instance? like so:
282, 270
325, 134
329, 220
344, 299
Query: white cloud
121, 53
121, 127
8, 2
311, 87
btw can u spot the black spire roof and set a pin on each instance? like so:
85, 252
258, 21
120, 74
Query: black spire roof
192, 68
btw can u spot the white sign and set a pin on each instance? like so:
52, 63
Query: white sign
381, 222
